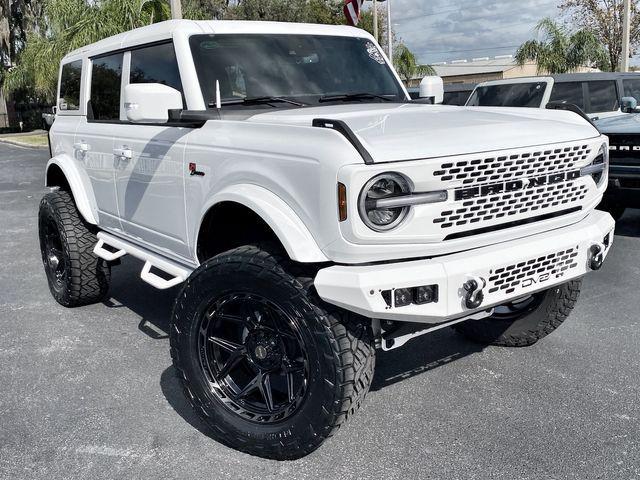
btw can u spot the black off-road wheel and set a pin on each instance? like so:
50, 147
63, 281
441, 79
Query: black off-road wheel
271, 369
76, 276
525, 321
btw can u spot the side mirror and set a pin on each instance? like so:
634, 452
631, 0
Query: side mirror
432, 87
150, 102
628, 104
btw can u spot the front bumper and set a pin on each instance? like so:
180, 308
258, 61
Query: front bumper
508, 271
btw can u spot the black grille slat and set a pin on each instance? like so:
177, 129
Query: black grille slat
624, 149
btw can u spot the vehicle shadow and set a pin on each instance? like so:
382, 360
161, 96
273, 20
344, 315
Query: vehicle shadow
153, 306
421, 355
172, 391
629, 224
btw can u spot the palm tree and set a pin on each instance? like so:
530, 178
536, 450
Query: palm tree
73, 24
562, 51
407, 66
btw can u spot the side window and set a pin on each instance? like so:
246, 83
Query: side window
603, 96
632, 88
70, 86
106, 74
568, 92
155, 64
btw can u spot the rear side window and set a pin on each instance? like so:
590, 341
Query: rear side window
632, 88
568, 92
70, 86
155, 64
106, 74
592, 97
603, 96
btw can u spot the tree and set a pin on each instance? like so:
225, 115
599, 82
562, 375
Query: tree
604, 19
65, 25
71, 25
307, 11
562, 51
407, 66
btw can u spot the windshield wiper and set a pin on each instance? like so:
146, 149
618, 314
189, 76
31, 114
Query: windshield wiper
352, 96
258, 100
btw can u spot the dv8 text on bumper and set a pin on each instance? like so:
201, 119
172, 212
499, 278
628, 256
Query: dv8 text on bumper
504, 271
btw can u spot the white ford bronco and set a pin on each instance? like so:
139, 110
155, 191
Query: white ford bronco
309, 213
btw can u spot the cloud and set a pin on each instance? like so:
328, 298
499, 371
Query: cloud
441, 30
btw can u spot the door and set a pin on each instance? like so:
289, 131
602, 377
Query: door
150, 168
94, 137
63, 130
150, 185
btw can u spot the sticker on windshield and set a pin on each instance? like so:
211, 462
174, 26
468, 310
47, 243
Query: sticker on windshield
208, 44
374, 53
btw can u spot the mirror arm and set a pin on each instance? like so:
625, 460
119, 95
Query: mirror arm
193, 118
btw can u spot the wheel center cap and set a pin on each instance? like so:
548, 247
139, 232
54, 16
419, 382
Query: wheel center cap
53, 261
260, 352
264, 350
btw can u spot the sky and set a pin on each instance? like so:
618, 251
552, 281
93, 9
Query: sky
444, 30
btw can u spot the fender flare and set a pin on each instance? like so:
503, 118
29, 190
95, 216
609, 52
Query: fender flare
281, 218
77, 185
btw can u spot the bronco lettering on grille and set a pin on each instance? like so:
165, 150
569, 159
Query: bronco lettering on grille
510, 186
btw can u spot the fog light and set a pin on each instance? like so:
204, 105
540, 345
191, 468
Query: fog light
402, 297
425, 294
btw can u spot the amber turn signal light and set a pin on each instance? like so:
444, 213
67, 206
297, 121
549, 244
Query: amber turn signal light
342, 202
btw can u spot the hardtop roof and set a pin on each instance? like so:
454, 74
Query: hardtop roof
168, 29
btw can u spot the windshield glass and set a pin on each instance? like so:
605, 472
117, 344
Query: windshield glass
509, 95
300, 67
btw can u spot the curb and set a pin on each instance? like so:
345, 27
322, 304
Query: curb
24, 145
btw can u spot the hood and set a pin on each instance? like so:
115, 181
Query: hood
625, 123
394, 132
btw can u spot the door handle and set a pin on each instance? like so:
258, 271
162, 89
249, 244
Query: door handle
123, 153
81, 146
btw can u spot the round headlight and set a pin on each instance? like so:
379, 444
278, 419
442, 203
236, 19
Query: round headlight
385, 185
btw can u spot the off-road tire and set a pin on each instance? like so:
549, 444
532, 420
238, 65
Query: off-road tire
553, 308
87, 277
340, 345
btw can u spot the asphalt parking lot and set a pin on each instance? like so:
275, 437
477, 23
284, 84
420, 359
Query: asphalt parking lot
90, 393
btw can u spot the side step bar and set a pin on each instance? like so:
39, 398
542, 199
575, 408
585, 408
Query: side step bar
177, 272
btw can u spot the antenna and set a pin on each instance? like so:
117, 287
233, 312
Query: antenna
218, 102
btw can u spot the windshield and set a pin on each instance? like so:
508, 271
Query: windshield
304, 68
509, 95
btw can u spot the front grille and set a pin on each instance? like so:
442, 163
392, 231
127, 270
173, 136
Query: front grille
507, 205
624, 149
510, 167
532, 272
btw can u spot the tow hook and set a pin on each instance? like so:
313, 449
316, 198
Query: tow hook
474, 296
596, 256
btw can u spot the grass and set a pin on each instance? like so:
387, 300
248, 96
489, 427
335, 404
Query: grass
38, 140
